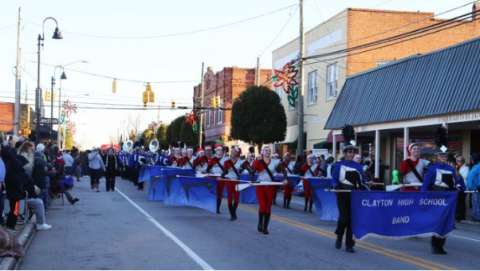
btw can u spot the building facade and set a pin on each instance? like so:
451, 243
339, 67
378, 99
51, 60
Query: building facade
226, 84
408, 100
324, 77
7, 118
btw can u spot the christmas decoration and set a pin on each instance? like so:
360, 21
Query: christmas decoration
69, 108
286, 78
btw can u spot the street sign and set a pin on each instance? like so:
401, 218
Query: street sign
54, 121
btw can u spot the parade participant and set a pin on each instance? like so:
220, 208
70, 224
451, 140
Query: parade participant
208, 151
413, 168
265, 168
276, 159
111, 165
347, 175
175, 157
232, 167
200, 163
310, 169
189, 159
441, 177
287, 167
215, 167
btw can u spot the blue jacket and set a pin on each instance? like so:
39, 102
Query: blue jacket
473, 179
336, 169
3, 171
431, 175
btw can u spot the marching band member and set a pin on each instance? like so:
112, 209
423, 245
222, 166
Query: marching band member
413, 168
347, 175
287, 166
175, 157
200, 163
232, 170
215, 167
308, 170
265, 168
189, 159
208, 152
440, 176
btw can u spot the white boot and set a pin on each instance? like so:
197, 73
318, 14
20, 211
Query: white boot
43, 227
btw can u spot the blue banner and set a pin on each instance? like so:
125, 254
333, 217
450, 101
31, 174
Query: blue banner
402, 214
162, 182
199, 192
248, 195
325, 202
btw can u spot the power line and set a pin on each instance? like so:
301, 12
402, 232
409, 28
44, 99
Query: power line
398, 27
392, 43
184, 33
120, 78
289, 19
459, 19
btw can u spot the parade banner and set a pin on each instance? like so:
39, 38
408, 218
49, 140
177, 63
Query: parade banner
199, 192
162, 185
248, 195
402, 214
325, 202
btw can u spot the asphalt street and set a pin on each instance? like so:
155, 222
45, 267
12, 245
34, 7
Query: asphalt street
123, 230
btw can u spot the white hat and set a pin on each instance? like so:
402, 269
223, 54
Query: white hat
40, 147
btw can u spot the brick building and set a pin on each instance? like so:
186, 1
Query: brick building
324, 78
7, 118
227, 84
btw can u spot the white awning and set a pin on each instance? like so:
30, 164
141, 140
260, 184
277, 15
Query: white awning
291, 135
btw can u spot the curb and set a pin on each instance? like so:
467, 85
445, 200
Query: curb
24, 238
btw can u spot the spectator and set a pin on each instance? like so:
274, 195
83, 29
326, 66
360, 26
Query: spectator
111, 164
40, 173
23, 186
96, 168
26, 151
462, 171
2, 185
68, 159
473, 184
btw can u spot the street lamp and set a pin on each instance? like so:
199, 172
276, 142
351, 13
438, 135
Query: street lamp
63, 76
57, 35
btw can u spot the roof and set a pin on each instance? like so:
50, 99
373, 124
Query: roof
441, 82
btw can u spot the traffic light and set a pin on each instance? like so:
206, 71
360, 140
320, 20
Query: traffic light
148, 95
173, 105
219, 101
214, 102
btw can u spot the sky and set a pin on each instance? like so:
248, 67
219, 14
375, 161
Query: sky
153, 41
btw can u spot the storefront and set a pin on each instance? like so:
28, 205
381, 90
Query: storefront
406, 101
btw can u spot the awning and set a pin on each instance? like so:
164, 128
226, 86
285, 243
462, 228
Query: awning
291, 134
322, 145
339, 138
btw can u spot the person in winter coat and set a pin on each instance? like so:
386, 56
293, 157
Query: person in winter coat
111, 166
96, 169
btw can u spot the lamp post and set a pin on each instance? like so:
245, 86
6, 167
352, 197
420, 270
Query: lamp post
57, 35
63, 76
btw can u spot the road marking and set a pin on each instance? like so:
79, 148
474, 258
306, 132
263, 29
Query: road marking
424, 264
203, 264
464, 237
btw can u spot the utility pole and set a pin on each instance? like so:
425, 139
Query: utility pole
202, 91
257, 72
300, 85
51, 109
16, 114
